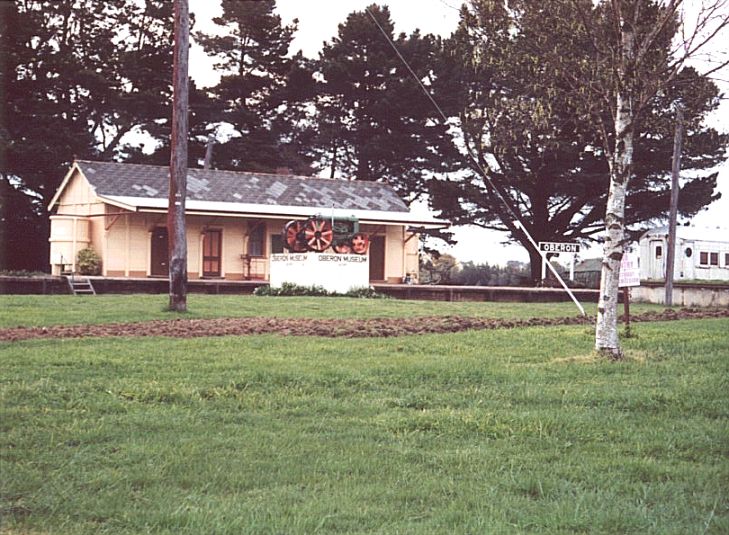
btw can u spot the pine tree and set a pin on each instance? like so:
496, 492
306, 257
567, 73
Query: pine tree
262, 92
76, 77
373, 120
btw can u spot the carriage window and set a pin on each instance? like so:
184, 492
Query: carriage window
726, 259
714, 259
659, 251
688, 252
703, 258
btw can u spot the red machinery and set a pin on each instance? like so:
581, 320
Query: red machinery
318, 234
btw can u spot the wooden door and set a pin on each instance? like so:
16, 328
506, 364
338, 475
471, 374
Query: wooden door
656, 263
212, 241
377, 258
160, 253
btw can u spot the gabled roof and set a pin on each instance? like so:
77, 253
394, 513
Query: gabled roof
691, 232
145, 188
589, 264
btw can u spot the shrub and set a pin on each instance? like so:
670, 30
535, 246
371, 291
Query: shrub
290, 289
88, 262
365, 292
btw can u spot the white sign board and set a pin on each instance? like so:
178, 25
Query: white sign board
334, 272
558, 247
629, 271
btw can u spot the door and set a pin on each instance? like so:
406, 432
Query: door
688, 259
656, 260
377, 258
212, 241
160, 253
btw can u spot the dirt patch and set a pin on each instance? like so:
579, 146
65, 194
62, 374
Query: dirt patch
331, 328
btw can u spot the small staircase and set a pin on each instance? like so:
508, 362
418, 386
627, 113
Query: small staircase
80, 285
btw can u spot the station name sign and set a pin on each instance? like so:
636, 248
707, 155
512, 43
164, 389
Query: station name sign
558, 247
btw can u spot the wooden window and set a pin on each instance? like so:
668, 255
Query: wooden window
703, 258
659, 251
277, 244
256, 238
726, 259
212, 241
714, 259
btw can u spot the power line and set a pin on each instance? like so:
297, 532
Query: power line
512, 212
454, 8
517, 221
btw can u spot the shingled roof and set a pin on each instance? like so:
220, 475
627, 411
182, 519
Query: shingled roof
145, 188
151, 181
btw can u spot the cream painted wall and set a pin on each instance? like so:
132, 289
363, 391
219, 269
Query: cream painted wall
71, 228
117, 260
77, 197
412, 255
394, 261
231, 244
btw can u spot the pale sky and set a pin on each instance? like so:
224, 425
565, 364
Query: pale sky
318, 22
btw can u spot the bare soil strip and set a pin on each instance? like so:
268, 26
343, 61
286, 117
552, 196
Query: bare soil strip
331, 328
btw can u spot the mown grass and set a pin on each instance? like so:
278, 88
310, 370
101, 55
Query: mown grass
32, 310
478, 432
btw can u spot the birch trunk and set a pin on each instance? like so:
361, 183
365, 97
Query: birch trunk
178, 163
606, 330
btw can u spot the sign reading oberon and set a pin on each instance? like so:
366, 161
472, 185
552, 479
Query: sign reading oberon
558, 247
334, 272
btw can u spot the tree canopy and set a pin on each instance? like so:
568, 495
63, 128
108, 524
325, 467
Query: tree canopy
531, 86
75, 78
262, 92
372, 119
526, 124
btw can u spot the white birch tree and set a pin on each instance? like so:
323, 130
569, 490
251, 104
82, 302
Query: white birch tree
641, 67
634, 50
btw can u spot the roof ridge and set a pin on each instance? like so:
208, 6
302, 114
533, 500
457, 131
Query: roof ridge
215, 185
234, 171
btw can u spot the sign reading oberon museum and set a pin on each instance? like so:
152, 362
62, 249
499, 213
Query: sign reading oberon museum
334, 272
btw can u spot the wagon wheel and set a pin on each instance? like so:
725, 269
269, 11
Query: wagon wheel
360, 243
342, 247
318, 234
292, 237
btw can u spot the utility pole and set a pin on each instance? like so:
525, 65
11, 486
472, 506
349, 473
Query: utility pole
675, 171
176, 230
209, 151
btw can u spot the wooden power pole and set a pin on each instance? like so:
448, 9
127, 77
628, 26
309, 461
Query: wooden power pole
673, 213
176, 230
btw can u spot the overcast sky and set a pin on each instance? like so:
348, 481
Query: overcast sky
318, 22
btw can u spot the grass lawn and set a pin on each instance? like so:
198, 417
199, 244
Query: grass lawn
40, 310
479, 432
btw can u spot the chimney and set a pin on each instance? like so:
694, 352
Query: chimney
209, 151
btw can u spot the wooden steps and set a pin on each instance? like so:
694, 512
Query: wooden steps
80, 285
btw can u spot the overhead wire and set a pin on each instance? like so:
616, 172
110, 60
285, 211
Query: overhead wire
517, 220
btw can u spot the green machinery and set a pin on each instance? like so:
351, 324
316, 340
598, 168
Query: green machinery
319, 233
